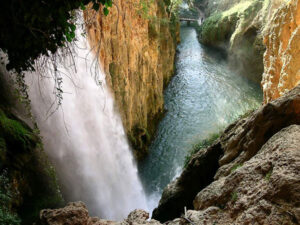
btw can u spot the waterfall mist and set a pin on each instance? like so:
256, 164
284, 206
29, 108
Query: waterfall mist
85, 138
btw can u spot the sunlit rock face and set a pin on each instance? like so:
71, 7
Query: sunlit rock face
236, 25
136, 46
281, 60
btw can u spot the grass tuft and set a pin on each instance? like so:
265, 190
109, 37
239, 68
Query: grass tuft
201, 145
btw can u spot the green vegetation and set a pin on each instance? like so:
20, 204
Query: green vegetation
201, 145
7, 217
234, 196
14, 132
235, 167
269, 174
228, 22
246, 114
36, 28
216, 28
27, 172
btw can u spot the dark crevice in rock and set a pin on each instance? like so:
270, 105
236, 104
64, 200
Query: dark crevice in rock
199, 173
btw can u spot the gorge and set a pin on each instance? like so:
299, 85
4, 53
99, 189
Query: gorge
141, 113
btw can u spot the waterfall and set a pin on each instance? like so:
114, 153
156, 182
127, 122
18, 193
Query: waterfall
85, 138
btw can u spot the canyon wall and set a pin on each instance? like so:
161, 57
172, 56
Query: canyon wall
136, 45
236, 26
281, 59
244, 177
248, 176
27, 179
264, 33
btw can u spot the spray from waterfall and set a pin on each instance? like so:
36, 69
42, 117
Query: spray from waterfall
85, 139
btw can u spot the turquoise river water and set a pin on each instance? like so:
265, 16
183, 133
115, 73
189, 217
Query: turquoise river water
203, 98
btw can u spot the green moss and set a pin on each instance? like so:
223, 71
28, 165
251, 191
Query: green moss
234, 196
269, 174
152, 30
15, 133
31, 175
7, 216
235, 167
221, 25
201, 145
216, 29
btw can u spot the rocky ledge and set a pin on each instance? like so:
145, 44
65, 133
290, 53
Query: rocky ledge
249, 176
256, 164
76, 213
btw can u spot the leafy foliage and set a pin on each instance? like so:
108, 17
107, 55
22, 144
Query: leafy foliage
7, 217
235, 167
201, 145
234, 196
33, 28
269, 174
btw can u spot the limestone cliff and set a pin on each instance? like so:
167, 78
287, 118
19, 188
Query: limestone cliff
281, 60
136, 45
236, 26
244, 177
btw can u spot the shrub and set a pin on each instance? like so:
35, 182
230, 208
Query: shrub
7, 217
202, 144
235, 167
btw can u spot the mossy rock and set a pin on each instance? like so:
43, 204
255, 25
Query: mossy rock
31, 176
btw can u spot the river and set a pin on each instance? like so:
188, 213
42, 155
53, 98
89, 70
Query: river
203, 98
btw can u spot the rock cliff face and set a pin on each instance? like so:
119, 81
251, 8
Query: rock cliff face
255, 160
136, 45
281, 60
27, 179
249, 176
236, 26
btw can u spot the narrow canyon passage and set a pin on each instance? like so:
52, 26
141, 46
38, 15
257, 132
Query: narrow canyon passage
203, 97
85, 138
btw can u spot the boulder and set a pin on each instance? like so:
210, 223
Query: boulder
238, 144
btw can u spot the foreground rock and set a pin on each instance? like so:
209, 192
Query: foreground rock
239, 144
264, 190
76, 213
249, 176
181, 192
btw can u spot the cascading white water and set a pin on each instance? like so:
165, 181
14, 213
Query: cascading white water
86, 141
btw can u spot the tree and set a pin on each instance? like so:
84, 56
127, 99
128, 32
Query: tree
31, 28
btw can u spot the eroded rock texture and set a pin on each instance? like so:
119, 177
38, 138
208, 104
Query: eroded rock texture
264, 190
136, 45
281, 60
236, 26
76, 213
245, 147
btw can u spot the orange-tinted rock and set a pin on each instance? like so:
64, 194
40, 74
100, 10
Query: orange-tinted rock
136, 48
281, 60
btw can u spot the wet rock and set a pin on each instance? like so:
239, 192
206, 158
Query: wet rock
240, 142
74, 213
243, 140
181, 192
265, 190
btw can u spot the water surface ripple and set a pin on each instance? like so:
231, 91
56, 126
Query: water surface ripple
203, 97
